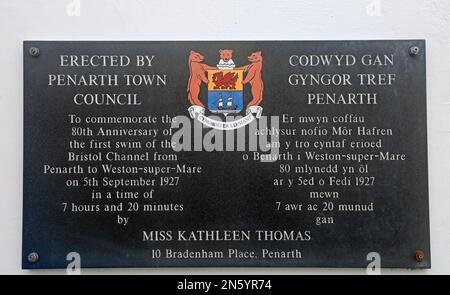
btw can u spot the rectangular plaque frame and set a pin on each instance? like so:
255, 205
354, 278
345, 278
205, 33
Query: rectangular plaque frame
397, 229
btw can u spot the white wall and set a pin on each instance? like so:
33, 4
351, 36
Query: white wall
227, 20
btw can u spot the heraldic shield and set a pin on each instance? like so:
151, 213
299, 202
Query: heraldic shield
225, 91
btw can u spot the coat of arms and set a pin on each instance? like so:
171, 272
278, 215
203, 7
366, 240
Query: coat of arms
225, 84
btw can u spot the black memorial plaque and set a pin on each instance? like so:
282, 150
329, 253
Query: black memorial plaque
240, 153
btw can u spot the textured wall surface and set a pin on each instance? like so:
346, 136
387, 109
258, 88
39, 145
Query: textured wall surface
209, 20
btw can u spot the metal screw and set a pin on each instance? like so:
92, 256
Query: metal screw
419, 255
33, 257
414, 50
34, 51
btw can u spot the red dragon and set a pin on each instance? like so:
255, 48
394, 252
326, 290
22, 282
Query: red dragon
227, 81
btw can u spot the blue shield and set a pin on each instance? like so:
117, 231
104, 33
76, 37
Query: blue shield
225, 101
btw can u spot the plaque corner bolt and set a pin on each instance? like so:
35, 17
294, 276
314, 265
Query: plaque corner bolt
413, 50
34, 51
419, 255
33, 257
